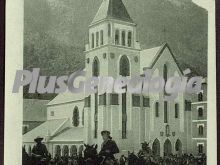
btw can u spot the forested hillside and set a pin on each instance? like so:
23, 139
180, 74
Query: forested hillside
55, 32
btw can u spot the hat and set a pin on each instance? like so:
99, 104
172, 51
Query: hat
105, 132
38, 139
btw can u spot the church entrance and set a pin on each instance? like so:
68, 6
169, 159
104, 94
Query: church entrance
167, 148
178, 147
156, 147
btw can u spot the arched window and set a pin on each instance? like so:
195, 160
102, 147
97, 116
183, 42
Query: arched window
165, 74
65, 150
93, 40
96, 128
97, 39
200, 130
75, 121
109, 30
200, 96
57, 150
156, 109
165, 112
200, 112
176, 110
156, 147
101, 37
167, 148
96, 73
117, 37
83, 117
80, 149
129, 39
123, 38
178, 146
124, 71
200, 148
124, 66
95, 68
124, 116
73, 150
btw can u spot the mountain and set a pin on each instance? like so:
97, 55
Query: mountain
55, 31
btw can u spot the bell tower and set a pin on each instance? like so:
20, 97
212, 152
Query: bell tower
112, 25
112, 45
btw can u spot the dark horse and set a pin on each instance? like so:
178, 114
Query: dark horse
91, 157
132, 159
39, 160
34, 159
143, 157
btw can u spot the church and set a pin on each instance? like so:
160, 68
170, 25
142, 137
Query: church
113, 50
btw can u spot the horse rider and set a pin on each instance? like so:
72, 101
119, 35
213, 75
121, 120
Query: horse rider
39, 150
109, 147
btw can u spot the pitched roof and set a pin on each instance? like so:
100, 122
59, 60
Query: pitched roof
35, 110
66, 98
69, 134
48, 127
149, 57
113, 9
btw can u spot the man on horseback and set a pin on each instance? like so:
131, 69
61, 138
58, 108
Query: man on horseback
109, 147
39, 151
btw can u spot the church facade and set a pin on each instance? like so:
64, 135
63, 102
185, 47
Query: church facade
113, 50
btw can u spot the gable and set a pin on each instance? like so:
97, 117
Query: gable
156, 58
165, 56
148, 56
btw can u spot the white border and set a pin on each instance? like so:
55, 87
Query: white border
211, 106
14, 103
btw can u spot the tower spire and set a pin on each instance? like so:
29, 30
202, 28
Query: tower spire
112, 9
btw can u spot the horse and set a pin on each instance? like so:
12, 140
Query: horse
40, 160
146, 148
25, 157
91, 157
132, 159
34, 159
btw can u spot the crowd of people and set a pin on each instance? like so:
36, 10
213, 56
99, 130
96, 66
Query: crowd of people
90, 156
184, 159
